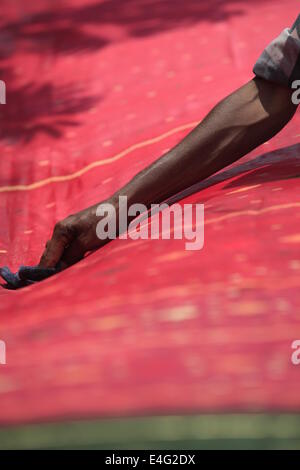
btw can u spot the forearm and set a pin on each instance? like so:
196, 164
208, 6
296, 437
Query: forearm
242, 121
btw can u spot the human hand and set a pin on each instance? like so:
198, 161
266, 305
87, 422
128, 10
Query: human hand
72, 238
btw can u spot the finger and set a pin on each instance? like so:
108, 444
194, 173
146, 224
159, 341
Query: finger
55, 247
74, 253
52, 254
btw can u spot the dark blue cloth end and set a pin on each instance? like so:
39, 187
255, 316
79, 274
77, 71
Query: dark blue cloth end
25, 276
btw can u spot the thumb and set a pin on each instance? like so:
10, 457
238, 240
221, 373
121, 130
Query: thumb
55, 247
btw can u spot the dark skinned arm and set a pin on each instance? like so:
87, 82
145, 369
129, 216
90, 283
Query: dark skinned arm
247, 118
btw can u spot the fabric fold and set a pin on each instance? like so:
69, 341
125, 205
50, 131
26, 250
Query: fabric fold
280, 61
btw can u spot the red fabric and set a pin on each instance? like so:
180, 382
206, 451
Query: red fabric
143, 326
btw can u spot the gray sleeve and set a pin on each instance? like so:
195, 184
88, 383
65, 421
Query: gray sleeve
280, 61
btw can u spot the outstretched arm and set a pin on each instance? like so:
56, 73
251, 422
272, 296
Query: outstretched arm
238, 124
